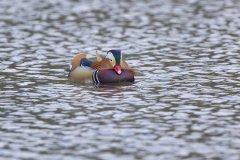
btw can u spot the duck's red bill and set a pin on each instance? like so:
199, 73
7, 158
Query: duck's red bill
117, 69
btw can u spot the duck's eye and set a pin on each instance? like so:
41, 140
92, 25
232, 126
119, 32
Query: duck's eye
111, 60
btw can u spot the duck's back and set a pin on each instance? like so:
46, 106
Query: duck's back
103, 64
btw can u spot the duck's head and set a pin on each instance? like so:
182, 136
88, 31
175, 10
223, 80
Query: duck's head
116, 60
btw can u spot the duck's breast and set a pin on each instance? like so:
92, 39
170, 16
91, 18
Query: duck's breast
110, 76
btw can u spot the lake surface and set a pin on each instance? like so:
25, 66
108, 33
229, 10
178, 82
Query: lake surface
184, 104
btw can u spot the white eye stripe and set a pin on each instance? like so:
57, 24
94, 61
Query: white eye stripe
110, 56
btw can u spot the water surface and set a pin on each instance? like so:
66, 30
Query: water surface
184, 104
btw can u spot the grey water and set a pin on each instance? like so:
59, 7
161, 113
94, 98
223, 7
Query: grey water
184, 104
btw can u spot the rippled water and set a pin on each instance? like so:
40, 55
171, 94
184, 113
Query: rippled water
185, 102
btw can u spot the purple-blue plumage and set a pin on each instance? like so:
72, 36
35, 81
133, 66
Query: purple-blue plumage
110, 76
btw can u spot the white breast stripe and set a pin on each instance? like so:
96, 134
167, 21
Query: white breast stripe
95, 77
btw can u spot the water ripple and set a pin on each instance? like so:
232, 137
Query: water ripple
183, 105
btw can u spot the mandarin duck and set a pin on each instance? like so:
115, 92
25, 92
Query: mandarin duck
109, 69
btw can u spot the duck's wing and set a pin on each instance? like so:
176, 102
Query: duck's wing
76, 60
84, 62
81, 68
